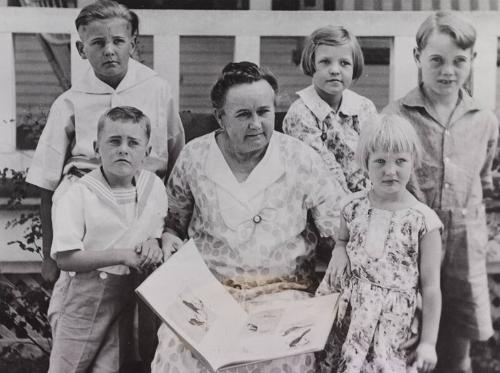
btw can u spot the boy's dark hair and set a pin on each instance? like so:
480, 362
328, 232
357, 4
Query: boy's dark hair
105, 9
236, 73
125, 114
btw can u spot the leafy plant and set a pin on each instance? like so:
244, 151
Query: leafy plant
31, 220
29, 128
23, 305
22, 310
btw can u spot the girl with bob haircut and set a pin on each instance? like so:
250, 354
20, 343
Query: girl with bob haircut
459, 139
328, 115
333, 36
388, 246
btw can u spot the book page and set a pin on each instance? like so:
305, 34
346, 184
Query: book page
285, 328
190, 300
197, 307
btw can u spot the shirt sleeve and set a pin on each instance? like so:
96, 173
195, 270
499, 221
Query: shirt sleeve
367, 112
161, 203
300, 123
324, 196
175, 132
68, 221
432, 220
53, 147
180, 198
357, 179
491, 151
392, 108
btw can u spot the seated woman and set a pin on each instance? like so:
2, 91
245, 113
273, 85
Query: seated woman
243, 194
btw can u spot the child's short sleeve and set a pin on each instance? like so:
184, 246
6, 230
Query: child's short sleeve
431, 219
47, 165
68, 222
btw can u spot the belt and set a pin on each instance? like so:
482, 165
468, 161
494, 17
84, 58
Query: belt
78, 172
407, 291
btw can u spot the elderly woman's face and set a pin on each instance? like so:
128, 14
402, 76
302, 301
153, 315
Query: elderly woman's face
248, 116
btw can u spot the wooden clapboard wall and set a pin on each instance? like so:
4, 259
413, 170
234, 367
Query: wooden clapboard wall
201, 60
415, 4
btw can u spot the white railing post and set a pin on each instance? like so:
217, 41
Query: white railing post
247, 48
485, 70
166, 59
7, 95
260, 5
403, 72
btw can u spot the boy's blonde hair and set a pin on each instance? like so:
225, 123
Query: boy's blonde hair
448, 23
106, 9
334, 36
390, 133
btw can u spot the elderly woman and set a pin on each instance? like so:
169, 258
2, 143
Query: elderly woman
243, 194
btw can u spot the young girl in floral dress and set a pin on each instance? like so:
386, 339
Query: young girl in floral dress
328, 115
391, 247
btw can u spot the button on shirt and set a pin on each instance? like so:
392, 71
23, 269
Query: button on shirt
457, 157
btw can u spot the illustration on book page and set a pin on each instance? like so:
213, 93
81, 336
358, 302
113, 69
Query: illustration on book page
191, 313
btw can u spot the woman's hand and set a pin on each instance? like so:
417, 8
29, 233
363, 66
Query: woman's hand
150, 252
170, 243
131, 258
144, 256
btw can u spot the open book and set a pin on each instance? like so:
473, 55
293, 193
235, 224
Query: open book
197, 307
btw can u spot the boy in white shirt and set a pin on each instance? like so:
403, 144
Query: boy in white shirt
105, 223
65, 150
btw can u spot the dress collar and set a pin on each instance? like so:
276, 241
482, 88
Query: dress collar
136, 74
348, 107
265, 173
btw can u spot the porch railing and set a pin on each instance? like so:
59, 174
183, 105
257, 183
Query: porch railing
247, 27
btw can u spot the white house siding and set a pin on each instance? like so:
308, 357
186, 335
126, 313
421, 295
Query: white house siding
36, 83
201, 61
277, 52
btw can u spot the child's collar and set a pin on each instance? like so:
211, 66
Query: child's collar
89, 83
349, 105
133, 183
96, 181
416, 98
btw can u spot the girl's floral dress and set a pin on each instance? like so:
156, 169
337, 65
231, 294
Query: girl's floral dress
333, 134
379, 300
